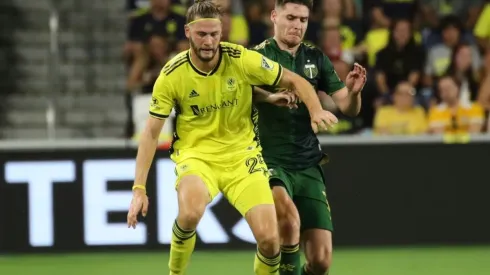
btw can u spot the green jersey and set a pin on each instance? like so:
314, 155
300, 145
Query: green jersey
285, 134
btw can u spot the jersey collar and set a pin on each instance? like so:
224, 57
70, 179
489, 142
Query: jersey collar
220, 52
273, 42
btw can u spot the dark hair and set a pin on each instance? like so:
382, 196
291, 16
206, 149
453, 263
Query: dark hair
308, 3
468, 75
451, 21
202, 9
411, 42
455, 80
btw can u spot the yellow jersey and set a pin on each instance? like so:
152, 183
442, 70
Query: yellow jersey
393, 122
214, 113
458, 121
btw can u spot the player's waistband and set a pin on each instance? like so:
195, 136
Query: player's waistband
217, 156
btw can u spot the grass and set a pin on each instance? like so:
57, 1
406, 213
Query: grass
385, 261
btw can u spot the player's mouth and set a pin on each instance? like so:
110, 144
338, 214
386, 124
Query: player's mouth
207, 50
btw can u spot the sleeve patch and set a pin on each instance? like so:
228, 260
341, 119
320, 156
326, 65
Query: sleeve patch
266, 64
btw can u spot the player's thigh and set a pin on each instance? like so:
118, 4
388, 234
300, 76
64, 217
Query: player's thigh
250, 194
310, 198
196, 184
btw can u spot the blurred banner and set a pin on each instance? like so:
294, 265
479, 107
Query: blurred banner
380, 194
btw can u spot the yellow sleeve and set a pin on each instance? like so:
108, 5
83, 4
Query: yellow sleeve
260, 70
482, 26
239, 29
163, 97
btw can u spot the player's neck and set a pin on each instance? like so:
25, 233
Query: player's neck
203, 66
284, 47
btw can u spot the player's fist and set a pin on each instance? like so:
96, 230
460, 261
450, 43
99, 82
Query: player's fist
283, 99
139, 203
321, 120
356, 79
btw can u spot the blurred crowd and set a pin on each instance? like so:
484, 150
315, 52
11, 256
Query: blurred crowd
427, 60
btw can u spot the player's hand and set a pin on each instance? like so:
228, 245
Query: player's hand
321, 120
139, 203
356, 79
283, 99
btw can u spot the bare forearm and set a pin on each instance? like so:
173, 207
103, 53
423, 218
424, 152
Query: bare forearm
260, 95
352, 104
144, 158
307, 94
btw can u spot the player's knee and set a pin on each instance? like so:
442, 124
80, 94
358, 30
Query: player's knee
288, 218
193, 198
262, 221
320, 263
268, 242
190, 217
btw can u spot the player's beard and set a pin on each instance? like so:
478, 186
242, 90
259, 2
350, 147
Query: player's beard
197, 51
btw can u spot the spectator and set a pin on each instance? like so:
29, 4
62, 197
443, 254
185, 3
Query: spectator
401, 60
384, 11
141, 6
159, 20
142, 77
461, 69
331, 45
258, 28
439, 56
340, 14
403, 117
237, 31
467, 11
453, 116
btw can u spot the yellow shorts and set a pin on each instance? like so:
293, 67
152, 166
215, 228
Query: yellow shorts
243, 179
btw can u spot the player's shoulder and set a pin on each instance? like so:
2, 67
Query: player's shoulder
311, 48
232, 50
176, 65
263, 47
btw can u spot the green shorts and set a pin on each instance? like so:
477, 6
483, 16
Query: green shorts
307, 189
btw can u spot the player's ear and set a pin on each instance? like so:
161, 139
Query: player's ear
187, 31
273, 16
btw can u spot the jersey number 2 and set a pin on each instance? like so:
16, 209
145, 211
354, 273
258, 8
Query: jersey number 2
252, 162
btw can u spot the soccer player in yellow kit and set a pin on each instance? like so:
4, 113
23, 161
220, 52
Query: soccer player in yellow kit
216, 147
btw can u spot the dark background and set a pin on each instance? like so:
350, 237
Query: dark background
384, 194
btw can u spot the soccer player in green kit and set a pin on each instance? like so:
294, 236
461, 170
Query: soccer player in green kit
291, 149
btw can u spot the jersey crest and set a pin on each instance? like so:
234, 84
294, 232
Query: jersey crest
231, 84
310, 70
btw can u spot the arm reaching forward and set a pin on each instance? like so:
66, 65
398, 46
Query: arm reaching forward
320, 119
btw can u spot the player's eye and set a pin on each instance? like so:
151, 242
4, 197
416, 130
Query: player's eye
201, 34
303, 20
214, 34
290, 17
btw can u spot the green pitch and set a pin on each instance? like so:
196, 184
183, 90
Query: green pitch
393, 261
